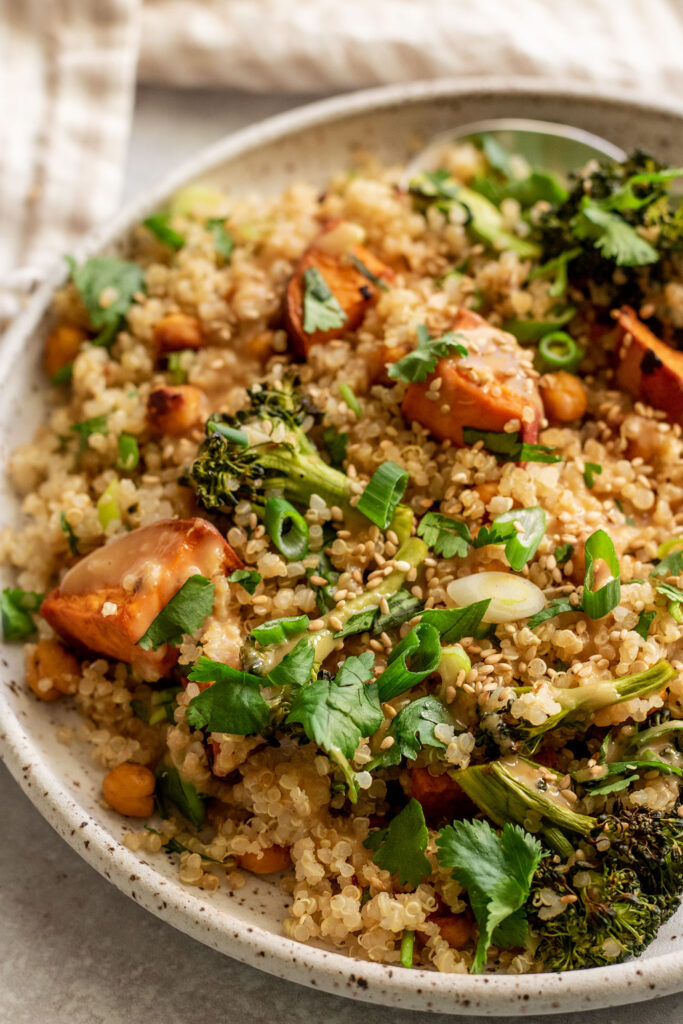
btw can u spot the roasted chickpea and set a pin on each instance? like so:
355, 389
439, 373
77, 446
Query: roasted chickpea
267, 862
176, 410
456, 929
177, 331
564, 396
61, 347
129, 789
486, 491
51, 670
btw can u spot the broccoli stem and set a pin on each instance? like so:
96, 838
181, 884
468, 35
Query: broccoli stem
413, 551
305, 473
508, 790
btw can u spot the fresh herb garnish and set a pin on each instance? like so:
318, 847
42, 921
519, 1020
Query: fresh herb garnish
597, 603
400, 848
590, 471
223, 242
172, 788
68, 531
63, 375
612, 235
276, 631
107, 287
414, 658
401, 606
86, 428
336, 442
453, 624
175, 368
642, 627
16, 606
497, 871
445, 536
233, 703
347, 394
129, 453
372, 278
670, 565
286, 527
412, 730
556, 607
415, 366
183, 614
520, 545
322, 311
382, 494
160, 226
247, 578
563, 552
508, 447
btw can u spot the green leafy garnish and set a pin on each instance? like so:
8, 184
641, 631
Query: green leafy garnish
233, 703
642, 627
16, 606
508, 447
277, 631
183, 614
322, 312
247, 578
86, 428
590, 471
411, 730
453, 624
68, 531
520, 545
175, 368
382, 494
335, 442
400, 848
223, 242
612, 235
347, 393
401, 606
447, 537
172, 788
129, 453
373, 278
597, 603
63, 375
416, 656
556, 607
670, 565
563, 552
160, 226
423, 359
107, 287
497, 871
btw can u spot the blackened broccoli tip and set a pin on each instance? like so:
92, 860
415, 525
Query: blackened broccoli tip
264, 450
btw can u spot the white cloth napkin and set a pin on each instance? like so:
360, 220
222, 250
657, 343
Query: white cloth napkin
68, 72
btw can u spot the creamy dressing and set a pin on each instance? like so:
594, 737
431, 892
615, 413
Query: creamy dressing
530, 776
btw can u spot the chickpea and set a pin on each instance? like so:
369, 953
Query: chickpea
177, 331
260, 346
51, 670
61, 347
456, 929
564, 396
267, 862
129, 789
175, 410
486, 491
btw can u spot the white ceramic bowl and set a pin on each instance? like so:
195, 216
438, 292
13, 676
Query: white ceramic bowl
61, 781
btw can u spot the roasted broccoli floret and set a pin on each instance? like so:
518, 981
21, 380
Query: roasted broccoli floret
578, 703
265, 450
588, 917
650, 843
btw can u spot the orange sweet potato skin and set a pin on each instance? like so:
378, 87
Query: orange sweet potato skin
647, 368
352, 290
468, 403
74, 609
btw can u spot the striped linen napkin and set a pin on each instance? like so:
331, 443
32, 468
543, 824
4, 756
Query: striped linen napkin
68, 70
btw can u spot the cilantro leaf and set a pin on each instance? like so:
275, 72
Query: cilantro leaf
184, 613
671, 565
16, 606
233, 703
68, 531
497, 871
423, 359
563, 552
160, 226
172, 788
335, 442
247, 578
223, 242
294, 671
642, 627
508, 447
322, 311
590, 471
401, 606
372, 278
96, 277
455, 623
86, 428
556, 607
612, 235
670, 591
337, 713
400, 848
447, 537
413, 729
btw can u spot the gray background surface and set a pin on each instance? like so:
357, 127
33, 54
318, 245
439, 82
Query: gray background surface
73, 950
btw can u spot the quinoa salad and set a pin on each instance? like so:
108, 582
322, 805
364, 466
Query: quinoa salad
354, 534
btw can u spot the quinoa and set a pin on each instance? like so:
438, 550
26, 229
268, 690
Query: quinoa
288, 795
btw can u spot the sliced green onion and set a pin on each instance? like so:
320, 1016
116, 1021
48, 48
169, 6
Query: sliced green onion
521, 547
534, 330
590, 471
214, 426
559, 351
411, 661
642, 627
276, 631
407, 948
287, 529
347, 394
383, 493
129, 453
597, 603
175, 368
454, 660
108, 506
160, 226
669, 545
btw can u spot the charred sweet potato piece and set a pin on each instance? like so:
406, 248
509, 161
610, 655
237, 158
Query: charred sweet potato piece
351, 288
110, 598
647, 368
441, 797
175, 410
177, 331
494, 384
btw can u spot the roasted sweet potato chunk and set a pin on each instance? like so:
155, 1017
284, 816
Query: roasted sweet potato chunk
441, 797
110, 598
487, 389
647, 368
175, 410
353, 290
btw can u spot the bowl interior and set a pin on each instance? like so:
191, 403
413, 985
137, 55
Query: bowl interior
64, 783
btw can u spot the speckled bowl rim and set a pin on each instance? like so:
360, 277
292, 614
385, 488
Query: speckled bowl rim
513, 995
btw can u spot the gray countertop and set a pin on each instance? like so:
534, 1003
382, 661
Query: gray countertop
74, 949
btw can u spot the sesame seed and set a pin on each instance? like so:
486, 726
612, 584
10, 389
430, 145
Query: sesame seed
316, 625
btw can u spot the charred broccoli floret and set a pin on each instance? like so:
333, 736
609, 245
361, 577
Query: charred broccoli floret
651, 844
265, 450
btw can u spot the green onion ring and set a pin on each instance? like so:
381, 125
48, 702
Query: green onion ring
559, 351
411, 661
384, 491
286, 527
